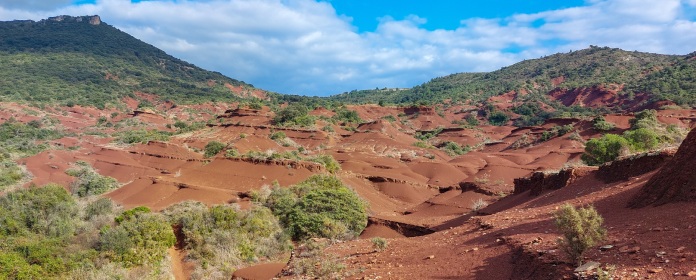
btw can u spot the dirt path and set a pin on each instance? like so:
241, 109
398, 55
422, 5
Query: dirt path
178, 264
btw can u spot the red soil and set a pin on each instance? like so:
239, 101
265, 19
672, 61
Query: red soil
407, 187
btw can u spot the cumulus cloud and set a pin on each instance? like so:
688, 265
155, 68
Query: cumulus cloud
305, 47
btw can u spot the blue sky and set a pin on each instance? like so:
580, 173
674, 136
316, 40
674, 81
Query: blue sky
326, 47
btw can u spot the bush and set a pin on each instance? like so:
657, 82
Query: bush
213, 148
320, 206
279, 135
328, 162
600, 124
605, 149
89, 182
453, 149
644, 119
379, 244
139, 238
222, 236
498, 118
48, 210
99, 207
581, 229
141, 136
642, 139
10, 174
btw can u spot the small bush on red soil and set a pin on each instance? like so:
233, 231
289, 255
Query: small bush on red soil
581, 229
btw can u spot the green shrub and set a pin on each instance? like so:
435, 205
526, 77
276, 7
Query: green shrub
10, 174
279, 135
471, 120
213, 148
644, 119
328, 162
231, 153
642, 139
453, 149
324, 208
581, 229
498, 118
379, 244
422, 144
139, 238
132, 213
344, 115
294, 115
599, 124
89, 182
221, 236
99, 207
141, 136
605, 149
48, 210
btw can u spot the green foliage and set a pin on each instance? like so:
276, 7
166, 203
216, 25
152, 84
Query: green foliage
581, 229
10, 174
99, 207
48, 210
320, 206
498, 118
294, 114
76, 63
422, 144
139, 238
642, 139
88, 182
471, 120
331, 165
132, 213
426, 135
605, 149
279, 135
141, 136
453, 149
389, 118
213, 148
600, 124
583, 68
379, 244
344, 115
645, 119
24, 139
221, 236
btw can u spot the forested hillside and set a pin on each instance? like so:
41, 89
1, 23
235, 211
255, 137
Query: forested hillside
81, 60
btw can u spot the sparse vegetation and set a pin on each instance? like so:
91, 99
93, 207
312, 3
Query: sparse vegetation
141, 136
478, 204
581, 229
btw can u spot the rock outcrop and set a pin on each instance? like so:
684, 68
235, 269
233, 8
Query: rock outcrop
676, 181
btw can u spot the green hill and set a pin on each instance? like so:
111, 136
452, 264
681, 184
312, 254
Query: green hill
81, 60
664, 77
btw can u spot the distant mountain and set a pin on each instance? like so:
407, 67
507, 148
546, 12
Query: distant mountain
654, 77
83, 60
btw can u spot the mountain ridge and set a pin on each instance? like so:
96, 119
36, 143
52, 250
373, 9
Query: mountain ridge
85, 61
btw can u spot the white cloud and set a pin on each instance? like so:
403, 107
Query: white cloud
304, 47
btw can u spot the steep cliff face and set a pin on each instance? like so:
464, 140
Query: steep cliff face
676, 181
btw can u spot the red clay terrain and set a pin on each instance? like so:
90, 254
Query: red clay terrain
421, 197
